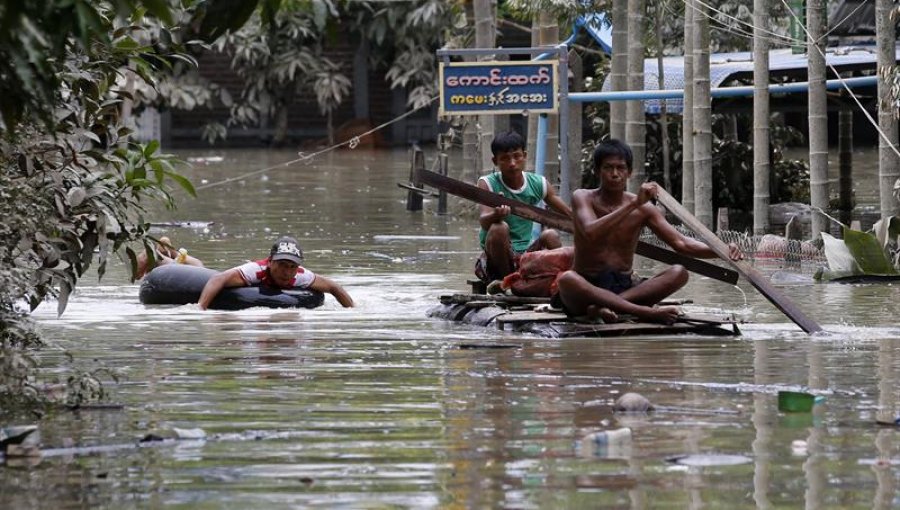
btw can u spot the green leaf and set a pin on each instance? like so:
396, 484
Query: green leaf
126, 44
132, 258
216, 17
140, 172
64, 290
184, 183
867, 252
151, 148
160, 9
158, 170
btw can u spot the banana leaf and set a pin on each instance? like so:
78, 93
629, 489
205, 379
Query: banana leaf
887, 231
838, 255
858, 254
868, 252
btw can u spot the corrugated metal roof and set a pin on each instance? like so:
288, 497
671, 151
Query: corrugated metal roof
724, 67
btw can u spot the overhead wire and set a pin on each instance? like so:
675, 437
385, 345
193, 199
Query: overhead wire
866, 113
771, 33
850, 92
351, 143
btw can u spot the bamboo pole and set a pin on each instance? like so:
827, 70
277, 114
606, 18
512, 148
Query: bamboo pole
618, 74
703, 199
888, 163
761, 153
818, 115
687, 119
635, 120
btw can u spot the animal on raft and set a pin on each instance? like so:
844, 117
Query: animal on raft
179, 284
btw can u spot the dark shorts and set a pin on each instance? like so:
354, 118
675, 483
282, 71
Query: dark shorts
614, 281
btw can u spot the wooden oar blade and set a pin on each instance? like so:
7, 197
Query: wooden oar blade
561, 222
723, 274
760, 282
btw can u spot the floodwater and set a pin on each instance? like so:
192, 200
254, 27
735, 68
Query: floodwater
379, 407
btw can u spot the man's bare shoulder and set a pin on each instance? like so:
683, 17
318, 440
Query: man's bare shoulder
584, 194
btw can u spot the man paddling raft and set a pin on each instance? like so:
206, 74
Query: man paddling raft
505, 237
608, 223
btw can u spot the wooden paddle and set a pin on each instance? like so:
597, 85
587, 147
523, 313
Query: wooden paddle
756, 279
564, 223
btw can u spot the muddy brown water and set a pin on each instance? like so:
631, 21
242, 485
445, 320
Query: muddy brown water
377, 406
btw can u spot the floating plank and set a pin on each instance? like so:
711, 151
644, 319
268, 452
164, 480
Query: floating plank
392, 237
497, 298
564, 223
519, 317
569, 329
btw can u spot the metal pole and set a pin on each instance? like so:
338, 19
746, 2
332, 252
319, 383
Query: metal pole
592, 97
564, 185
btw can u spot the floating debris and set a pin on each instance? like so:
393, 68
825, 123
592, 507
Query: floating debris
797, 401
206, 160
183, 224
610, 444
632, 403
710, 459
388, 238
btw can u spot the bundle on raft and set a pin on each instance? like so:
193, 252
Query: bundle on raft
179, 284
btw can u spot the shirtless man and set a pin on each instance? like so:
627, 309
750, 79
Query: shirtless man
505, 237
281, 270
608, 222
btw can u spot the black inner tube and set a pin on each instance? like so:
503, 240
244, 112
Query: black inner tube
179, 284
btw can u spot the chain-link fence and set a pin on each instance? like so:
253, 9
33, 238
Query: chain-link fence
767, 251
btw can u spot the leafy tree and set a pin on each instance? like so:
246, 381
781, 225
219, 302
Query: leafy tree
279, 53
72, 183
404, 36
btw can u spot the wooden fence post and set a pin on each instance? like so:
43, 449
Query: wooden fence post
722, 223
417, 160
443, 169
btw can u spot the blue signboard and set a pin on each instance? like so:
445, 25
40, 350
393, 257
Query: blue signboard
498, 87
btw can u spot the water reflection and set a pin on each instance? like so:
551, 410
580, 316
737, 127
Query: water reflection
376, 405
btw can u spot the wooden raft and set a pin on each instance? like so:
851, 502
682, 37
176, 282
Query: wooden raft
536, 316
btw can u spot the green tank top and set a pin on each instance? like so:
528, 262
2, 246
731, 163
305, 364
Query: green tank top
532, 193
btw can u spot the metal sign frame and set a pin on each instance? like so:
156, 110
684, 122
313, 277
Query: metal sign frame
498, 87
561, 52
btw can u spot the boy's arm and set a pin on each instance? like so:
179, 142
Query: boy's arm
490, 215
225, 279
556, 202
323, 284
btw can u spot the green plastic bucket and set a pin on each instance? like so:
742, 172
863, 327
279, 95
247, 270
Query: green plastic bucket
795, 401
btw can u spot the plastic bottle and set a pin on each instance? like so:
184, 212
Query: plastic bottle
606, 437
182, 256
614, 443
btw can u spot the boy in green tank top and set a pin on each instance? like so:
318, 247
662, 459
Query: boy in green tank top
505, 237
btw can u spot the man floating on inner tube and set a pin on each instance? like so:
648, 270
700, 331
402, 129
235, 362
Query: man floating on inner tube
165, 254
282, 270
